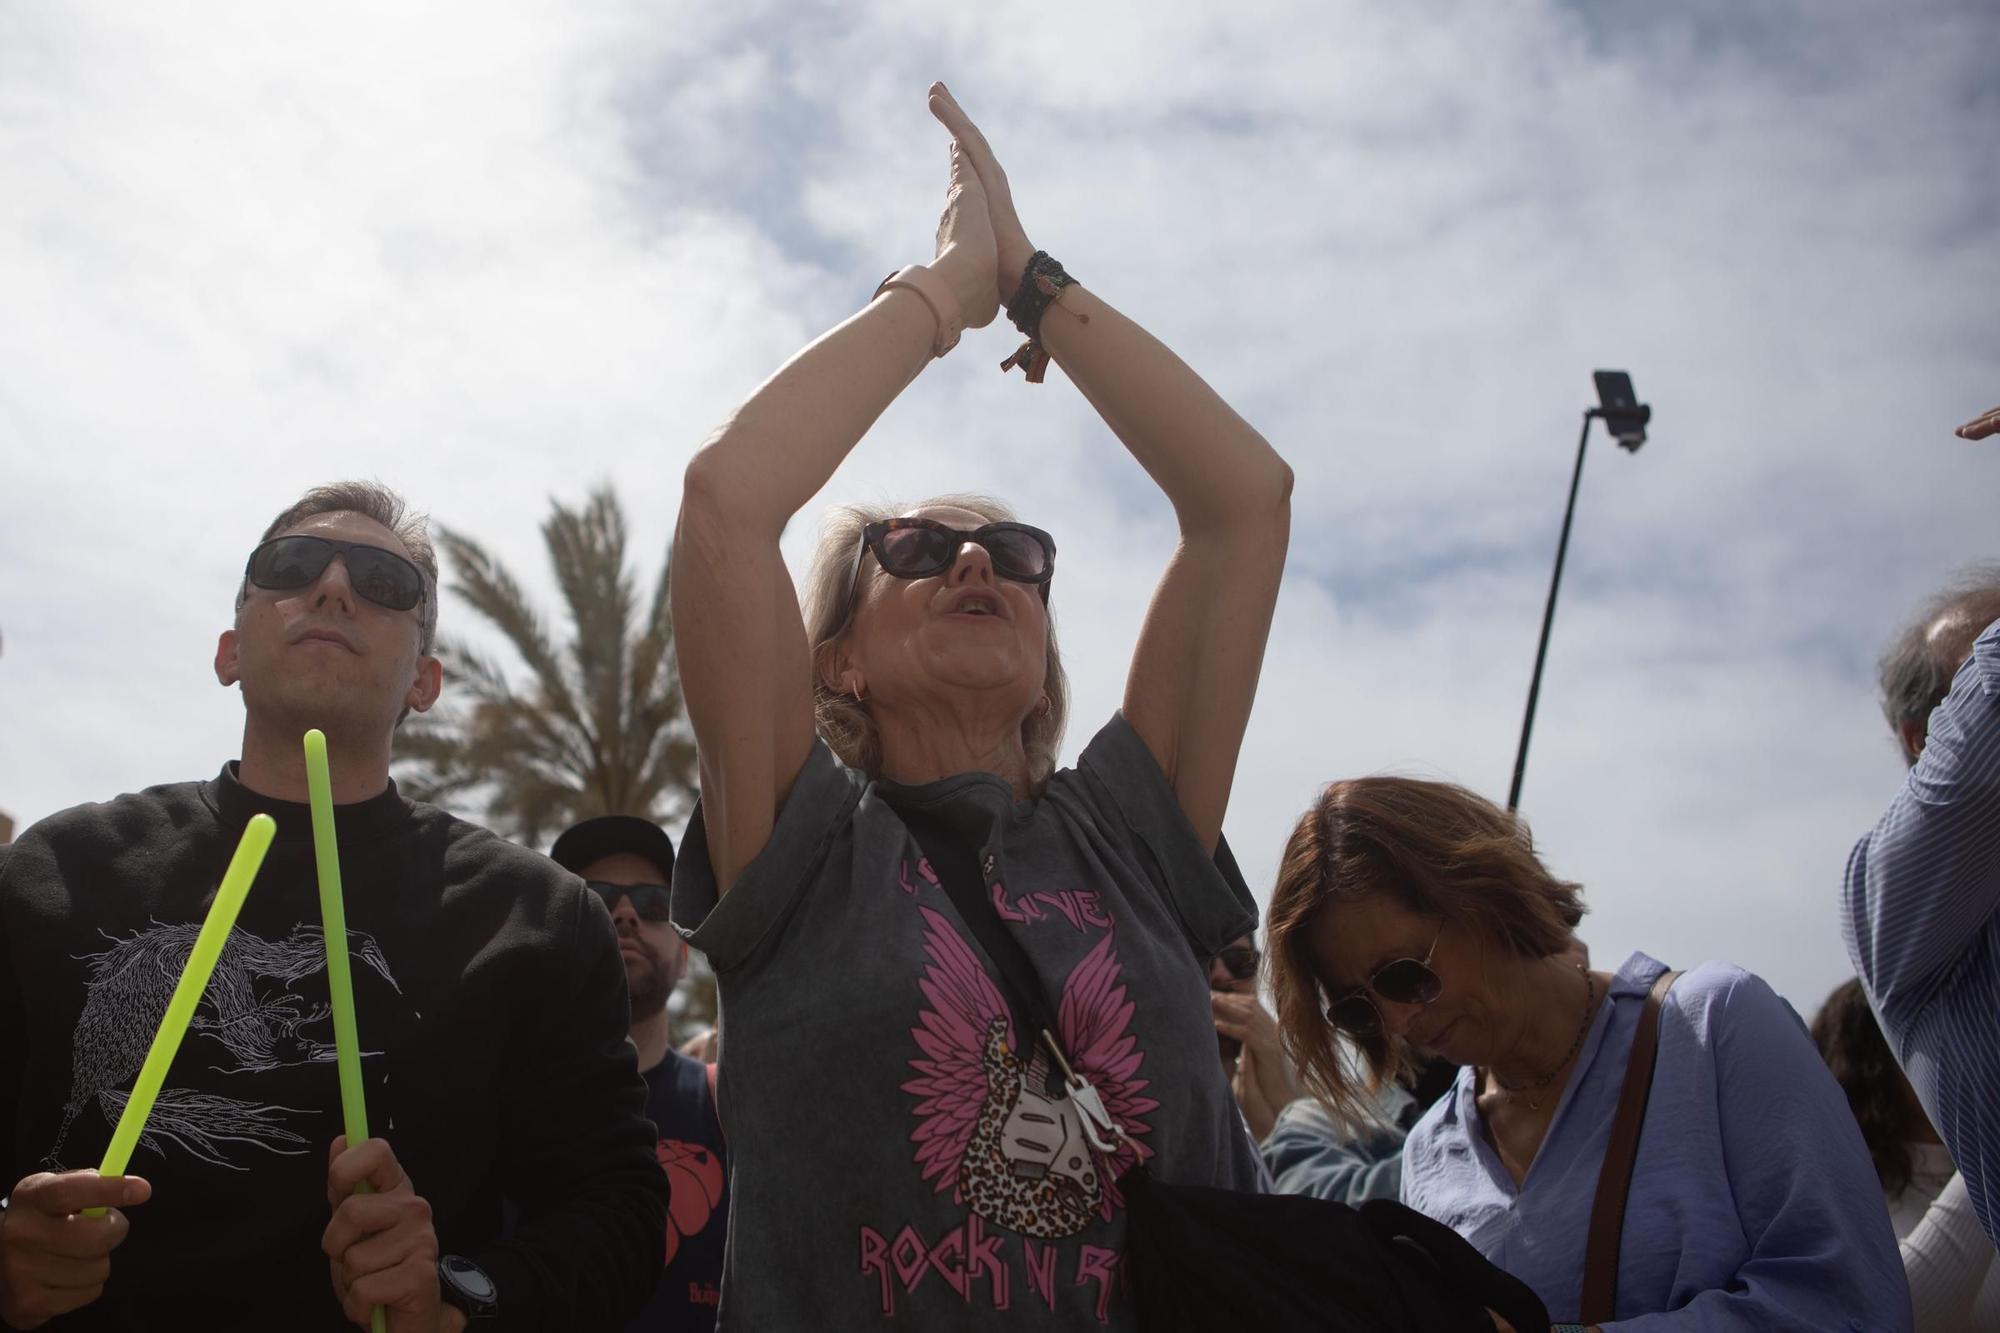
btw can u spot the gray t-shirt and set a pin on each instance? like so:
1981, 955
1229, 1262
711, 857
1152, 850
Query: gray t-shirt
893, 1158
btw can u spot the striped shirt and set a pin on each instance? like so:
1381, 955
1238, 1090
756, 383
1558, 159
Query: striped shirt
1921, 915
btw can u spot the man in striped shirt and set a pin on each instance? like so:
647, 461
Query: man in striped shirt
1921, 907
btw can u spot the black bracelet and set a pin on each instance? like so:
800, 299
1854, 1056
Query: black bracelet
1041, 282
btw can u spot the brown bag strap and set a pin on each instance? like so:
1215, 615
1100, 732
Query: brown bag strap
1614, 1181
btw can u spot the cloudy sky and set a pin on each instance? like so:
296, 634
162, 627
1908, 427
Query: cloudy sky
496, 253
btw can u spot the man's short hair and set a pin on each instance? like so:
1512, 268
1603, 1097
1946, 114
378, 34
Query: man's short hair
1917, 669
371, 500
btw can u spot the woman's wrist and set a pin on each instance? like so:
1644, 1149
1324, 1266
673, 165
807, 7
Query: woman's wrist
971, 284
936, 293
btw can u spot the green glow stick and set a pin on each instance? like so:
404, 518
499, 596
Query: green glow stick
201, 962
339, 978
333, 918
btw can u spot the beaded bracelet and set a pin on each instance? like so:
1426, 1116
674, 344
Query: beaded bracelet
1042, 281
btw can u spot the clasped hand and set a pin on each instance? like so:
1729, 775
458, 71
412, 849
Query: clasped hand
982, 248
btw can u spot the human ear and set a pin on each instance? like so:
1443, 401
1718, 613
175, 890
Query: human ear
226, 670
1913, 735
838, 673
425, 687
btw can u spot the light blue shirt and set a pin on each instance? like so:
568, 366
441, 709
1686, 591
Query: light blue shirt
1753, 1202
1307, 1152
1922, 921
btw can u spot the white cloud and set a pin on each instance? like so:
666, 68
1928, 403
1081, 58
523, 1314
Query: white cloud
495, 253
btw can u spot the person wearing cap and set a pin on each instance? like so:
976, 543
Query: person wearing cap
628, 862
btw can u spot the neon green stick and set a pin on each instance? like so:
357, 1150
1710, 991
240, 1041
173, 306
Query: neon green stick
333, 918
201, 962
339, 978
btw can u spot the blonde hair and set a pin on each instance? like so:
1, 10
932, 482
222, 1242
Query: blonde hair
828, 606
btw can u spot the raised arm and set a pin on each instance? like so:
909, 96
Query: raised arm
738, 634
1921, 913
1194, 671
1926, 881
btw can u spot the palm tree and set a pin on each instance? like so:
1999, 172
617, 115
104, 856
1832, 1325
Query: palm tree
596, 727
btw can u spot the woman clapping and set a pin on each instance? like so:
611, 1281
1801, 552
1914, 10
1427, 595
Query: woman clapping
904, 1143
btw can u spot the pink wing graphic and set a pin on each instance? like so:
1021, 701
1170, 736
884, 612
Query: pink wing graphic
951, 1089
1096, 1021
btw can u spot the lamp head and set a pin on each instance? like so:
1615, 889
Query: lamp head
1624, 415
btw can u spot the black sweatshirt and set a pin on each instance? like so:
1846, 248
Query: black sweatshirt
492, 1012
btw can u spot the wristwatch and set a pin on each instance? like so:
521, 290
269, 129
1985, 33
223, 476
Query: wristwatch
464, 1284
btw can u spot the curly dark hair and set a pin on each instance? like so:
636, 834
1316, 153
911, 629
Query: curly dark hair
1851, 1043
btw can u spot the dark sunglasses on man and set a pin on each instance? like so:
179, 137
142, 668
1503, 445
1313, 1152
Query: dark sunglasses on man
1240, 961
917, 548
286, 564
650, 901
1402, 981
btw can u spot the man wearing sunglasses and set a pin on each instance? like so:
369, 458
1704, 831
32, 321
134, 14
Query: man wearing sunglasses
1247, 1037
487, 984
628, 862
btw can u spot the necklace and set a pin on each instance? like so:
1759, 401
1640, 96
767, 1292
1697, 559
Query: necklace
1516, 1090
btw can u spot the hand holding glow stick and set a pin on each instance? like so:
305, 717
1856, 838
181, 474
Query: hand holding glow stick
339, 977
243, 867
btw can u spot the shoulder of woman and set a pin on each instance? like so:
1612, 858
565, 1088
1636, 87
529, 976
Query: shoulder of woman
1718, 998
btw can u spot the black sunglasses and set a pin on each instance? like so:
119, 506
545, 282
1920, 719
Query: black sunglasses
286, 564
917, 548
650, 901
1403, 981
1240, 960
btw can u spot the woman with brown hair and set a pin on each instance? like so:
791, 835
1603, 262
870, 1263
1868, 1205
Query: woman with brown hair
1954, 1276
905, 1146
1415, 916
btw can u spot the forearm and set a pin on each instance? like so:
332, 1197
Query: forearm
1348, 1174
1946, 1259
587, 1262
782, 445
1213, 466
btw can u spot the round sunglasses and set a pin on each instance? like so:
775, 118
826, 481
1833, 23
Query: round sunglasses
1401, 981
917, 548
650, 901
286, 564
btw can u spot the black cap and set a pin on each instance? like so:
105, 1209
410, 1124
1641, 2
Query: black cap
607, 835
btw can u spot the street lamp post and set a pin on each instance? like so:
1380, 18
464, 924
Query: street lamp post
1625, 417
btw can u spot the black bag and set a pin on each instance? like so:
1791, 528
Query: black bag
1200, 1259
